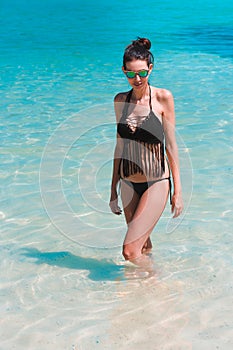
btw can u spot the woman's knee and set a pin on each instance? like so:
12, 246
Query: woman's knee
130, 252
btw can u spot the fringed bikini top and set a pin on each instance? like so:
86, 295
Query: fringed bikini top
143, 151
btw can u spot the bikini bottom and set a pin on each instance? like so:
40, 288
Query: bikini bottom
141, 187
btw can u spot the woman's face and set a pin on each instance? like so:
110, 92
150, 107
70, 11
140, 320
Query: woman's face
138, 82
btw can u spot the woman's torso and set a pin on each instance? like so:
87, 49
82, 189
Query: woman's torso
143, 157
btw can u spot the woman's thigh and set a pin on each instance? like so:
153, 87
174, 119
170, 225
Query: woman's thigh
148, 211
130, 200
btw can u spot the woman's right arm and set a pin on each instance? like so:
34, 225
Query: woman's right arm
117, 157
116, 163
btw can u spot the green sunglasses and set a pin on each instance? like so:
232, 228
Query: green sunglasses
141, 73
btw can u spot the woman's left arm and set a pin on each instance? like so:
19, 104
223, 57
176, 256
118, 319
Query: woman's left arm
169, 122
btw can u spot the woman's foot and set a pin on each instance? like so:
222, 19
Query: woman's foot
144, 262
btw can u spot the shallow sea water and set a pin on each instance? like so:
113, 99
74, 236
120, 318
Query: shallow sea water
63, 282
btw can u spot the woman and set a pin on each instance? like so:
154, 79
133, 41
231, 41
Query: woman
145, 129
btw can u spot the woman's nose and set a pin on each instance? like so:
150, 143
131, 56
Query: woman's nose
137, 77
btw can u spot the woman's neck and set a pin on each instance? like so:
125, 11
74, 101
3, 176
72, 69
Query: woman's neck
142, 95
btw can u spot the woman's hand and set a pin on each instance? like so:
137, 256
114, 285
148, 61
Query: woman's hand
114, 204
177, 205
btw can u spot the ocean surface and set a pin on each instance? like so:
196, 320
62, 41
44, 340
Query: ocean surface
63, 282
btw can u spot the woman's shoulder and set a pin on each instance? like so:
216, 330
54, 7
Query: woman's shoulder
162, 94
121, 96
119, 103
164, 101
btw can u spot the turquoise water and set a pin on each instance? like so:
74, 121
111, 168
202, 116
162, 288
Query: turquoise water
64, 284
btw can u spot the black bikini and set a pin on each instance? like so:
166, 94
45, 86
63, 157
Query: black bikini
141, 187
143, 150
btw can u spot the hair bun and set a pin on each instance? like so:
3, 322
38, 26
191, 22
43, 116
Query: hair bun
142, 42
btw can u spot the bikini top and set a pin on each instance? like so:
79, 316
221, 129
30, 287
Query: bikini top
143, 146
150, 129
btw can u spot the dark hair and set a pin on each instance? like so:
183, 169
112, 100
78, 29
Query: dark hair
138, 50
